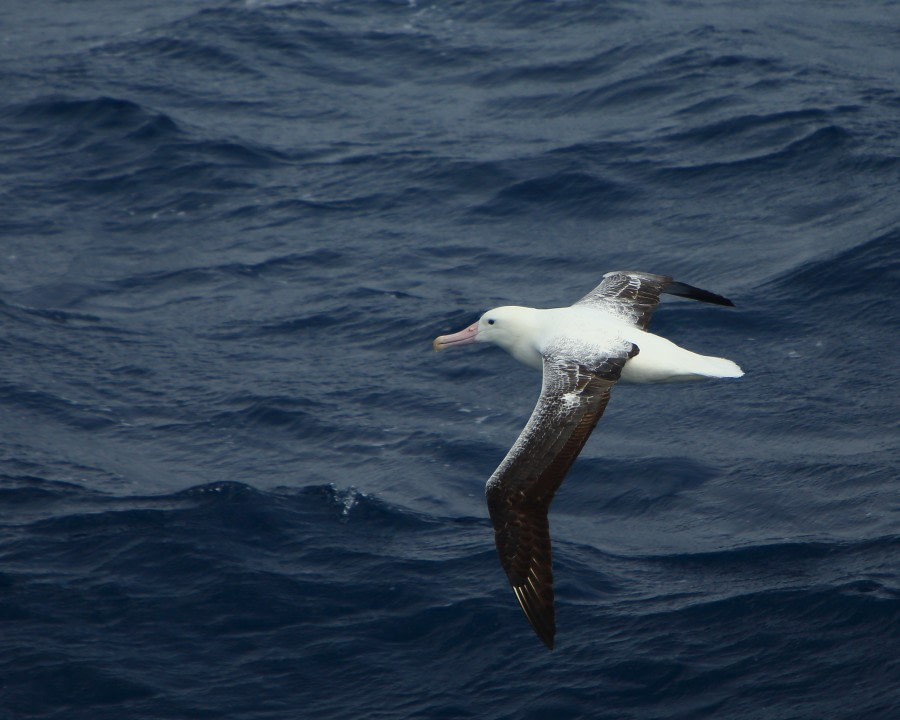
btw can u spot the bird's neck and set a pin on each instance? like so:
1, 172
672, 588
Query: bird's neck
524, 344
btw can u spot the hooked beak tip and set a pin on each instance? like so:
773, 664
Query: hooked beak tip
463, 337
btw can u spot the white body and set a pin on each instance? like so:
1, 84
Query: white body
528, 334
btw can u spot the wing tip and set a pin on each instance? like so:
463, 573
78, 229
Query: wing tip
540, 615
694, 293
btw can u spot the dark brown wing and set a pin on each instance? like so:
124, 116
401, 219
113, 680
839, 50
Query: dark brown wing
519, 492
633, 296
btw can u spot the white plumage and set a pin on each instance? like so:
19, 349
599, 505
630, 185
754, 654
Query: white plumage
583, 332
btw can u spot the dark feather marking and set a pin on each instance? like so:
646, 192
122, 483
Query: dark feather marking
694, 293
635, 295
519, 492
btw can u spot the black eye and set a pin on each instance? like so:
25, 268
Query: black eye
490, 321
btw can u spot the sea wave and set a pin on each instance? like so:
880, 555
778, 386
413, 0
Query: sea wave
236, 480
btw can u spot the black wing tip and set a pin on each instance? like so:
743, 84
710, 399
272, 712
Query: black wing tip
694, 293
541, 616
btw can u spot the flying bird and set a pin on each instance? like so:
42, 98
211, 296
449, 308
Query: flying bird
583, 350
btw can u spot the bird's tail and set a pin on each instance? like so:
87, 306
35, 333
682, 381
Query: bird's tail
717, 367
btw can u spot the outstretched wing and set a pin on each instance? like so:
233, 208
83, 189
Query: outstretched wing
519, 492
633, 296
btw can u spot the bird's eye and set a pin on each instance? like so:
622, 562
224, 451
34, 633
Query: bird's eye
490, 321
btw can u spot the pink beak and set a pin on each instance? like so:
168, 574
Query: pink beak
463, 337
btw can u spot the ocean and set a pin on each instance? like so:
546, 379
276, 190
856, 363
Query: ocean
236, 482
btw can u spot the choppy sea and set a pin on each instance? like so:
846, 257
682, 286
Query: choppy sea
235, 481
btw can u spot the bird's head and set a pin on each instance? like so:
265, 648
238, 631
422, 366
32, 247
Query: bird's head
504, 326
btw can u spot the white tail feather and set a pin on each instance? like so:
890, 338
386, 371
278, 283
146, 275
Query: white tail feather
720, 367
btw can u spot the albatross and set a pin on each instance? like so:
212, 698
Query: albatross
583, 350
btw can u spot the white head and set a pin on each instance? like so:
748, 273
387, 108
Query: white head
511, 327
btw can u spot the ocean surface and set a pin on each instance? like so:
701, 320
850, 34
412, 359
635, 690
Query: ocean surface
236, 482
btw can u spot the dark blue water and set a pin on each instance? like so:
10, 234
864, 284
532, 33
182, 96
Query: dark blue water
236, 482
